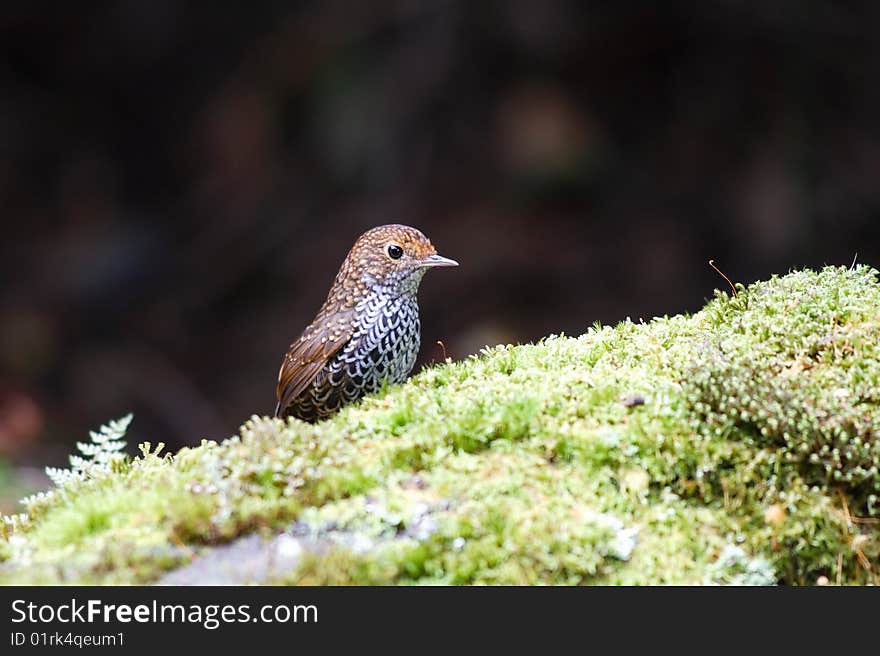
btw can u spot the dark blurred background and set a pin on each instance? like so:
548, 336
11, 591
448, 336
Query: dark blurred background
179, 181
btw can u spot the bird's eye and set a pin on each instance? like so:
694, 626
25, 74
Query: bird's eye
395, 252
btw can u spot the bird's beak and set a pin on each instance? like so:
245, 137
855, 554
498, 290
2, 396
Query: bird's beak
437, 261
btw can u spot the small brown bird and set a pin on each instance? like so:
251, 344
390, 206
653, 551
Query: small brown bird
368, 330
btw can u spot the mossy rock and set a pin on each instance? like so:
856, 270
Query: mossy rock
736, 445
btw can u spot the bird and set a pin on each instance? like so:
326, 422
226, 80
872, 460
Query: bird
368, 330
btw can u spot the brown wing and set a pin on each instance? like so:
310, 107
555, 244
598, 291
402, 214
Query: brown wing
326, 335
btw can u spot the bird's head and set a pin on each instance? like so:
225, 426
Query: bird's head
394, 257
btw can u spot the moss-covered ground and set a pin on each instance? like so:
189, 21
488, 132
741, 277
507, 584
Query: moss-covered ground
736, 445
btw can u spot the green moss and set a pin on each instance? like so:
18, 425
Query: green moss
737, 445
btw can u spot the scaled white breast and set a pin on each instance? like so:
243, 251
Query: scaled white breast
383, 347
